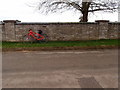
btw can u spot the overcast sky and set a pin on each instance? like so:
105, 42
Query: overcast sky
20, 10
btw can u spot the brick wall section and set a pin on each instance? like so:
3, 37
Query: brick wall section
102, 29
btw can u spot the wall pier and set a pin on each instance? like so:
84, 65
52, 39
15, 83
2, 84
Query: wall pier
9, 27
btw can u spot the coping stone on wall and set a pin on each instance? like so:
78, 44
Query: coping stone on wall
114, 23
51, 23
12, 21
102, 21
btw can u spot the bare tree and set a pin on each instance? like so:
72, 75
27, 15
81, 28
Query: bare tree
84, 6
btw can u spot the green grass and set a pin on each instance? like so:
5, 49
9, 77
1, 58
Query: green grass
88, 43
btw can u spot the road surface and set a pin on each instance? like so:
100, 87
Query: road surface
60, 69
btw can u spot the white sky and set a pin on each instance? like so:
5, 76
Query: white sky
19, 10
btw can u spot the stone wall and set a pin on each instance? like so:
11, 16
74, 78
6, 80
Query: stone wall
15, 30
1, 31
113, 30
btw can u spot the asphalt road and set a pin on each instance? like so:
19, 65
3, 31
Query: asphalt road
60, 69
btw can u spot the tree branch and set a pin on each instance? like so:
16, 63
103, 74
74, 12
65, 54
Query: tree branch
101, 9
73, 4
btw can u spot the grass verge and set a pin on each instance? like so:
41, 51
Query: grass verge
61, 44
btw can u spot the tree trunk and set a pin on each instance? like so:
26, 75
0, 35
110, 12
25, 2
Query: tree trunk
85, 17
85, 7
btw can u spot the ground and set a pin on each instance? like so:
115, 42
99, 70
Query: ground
61, 69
